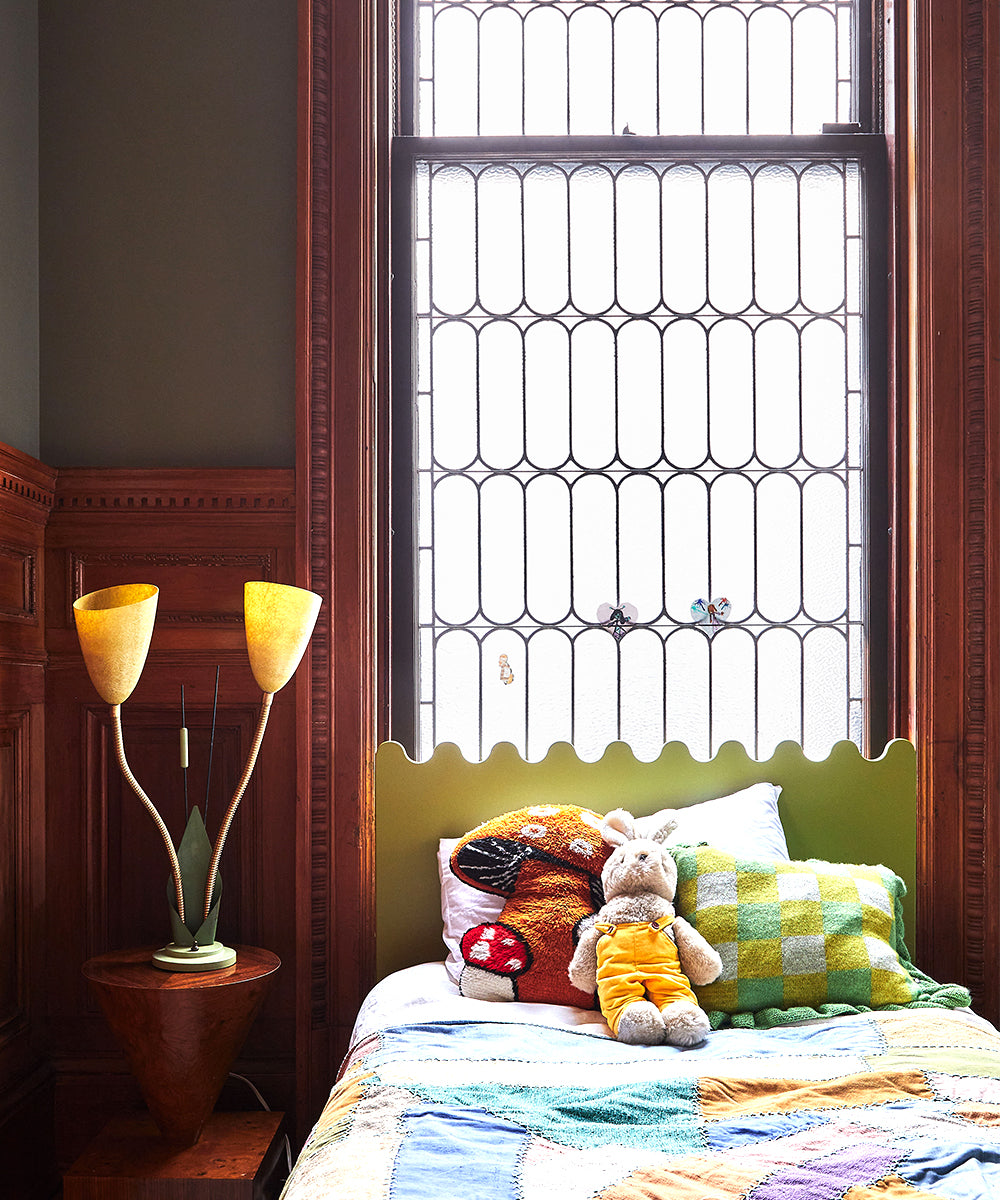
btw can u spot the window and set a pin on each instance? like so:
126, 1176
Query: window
638, 386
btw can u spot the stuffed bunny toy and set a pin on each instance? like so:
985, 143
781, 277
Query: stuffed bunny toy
640, 956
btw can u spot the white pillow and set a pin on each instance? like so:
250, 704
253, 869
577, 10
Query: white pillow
745, 823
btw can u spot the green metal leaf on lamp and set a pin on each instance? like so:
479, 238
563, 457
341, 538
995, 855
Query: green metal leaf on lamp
194, 853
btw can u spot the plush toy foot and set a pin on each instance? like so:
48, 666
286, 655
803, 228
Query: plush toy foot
685, 1024
641, 1025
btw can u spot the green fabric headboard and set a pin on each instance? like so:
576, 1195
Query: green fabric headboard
845, 808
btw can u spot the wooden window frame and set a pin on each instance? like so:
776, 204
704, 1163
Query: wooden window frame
942, 104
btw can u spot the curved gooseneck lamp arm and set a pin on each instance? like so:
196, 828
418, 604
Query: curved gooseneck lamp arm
241, 787
175, 866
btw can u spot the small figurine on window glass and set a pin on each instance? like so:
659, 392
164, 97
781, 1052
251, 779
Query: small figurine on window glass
506, 672
617, 619
711, 612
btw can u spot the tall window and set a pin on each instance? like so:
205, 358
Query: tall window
639, 385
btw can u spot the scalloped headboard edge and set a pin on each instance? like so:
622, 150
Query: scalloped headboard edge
844, 808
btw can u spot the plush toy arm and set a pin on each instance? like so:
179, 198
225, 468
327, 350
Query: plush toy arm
700, 960
583, 964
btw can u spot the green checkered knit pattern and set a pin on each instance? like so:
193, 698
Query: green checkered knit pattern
795, 934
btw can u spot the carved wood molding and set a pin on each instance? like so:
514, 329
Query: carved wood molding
958, 508
191, 490
335, 396
27, 487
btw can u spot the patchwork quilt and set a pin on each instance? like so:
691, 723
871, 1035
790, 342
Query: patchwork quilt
896, 1105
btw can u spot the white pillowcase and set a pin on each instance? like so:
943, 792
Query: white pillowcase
745, 823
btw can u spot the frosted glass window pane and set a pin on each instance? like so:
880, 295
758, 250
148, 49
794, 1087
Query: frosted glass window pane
824, 655
547, 545
642, 693
592, 264
680, 70
776, 392
550, 693
592, 380
453, 239
546, 50
454, 409
503, 690
686, 544
500, 82
688, 692
685, 238
546, 240
590, 71
456, 692
779, 690
823, 393
730, 220
732, 544
637, 216
595, 688
769, 70
776, 239
685, 393
546, 393
640, 394
501, 394
730, 376
499, 245
824, 516
456, 550
779, 575
451, 62
814, 63
635, 70
595, 547
640, 545
733, 702
501, 549
725, 94
822, 234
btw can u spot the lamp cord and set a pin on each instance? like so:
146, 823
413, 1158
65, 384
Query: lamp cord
265, 708
175, 866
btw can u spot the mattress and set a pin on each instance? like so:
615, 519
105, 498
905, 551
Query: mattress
444, 1097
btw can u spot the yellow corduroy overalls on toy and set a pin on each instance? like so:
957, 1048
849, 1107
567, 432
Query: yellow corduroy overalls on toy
638, 961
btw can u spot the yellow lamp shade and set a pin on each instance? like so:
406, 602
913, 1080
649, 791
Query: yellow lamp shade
114, 626
279, 623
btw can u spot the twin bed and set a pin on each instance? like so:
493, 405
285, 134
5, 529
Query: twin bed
477, 1075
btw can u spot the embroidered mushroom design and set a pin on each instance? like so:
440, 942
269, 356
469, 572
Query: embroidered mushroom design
546, 862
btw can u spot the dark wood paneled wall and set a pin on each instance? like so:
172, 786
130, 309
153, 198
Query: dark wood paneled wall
197, 535
26, 1148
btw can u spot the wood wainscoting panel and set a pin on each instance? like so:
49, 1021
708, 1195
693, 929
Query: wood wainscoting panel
26, 495
198, 536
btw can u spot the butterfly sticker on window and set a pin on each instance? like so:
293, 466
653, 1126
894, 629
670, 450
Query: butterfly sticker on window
617, 619
712, 613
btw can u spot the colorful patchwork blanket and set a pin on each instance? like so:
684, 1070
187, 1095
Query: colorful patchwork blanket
896, 1105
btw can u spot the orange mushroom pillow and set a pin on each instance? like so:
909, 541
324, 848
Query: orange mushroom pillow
539, 870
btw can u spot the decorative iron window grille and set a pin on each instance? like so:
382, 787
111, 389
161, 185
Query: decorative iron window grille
636, 390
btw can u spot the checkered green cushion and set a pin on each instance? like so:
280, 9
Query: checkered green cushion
796, 934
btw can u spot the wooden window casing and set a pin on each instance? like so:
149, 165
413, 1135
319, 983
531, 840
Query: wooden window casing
942, 100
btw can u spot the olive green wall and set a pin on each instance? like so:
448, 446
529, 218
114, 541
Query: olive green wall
166, 232
19, 225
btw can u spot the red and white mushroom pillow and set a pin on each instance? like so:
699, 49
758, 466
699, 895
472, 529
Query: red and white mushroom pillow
514, 890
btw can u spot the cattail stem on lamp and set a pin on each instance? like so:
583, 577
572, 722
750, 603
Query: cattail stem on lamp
115, 626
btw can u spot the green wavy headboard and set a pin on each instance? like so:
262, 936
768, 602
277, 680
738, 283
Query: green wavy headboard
845, 808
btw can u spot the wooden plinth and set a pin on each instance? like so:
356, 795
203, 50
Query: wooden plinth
238, 1157
180, 1031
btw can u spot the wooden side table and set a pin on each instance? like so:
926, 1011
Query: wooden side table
239, 1156
180, 1030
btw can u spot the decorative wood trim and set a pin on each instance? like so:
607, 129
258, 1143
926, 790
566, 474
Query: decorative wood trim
955, 266
23, 563
190, 489
25, 484
336, 341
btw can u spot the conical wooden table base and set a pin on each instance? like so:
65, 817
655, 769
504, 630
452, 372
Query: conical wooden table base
181, 1032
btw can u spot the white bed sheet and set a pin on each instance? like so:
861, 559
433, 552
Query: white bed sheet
426, 993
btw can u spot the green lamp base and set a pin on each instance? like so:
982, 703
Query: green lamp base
211, 957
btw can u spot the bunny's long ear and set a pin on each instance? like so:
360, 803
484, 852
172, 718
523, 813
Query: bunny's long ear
659, 826
618, 827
